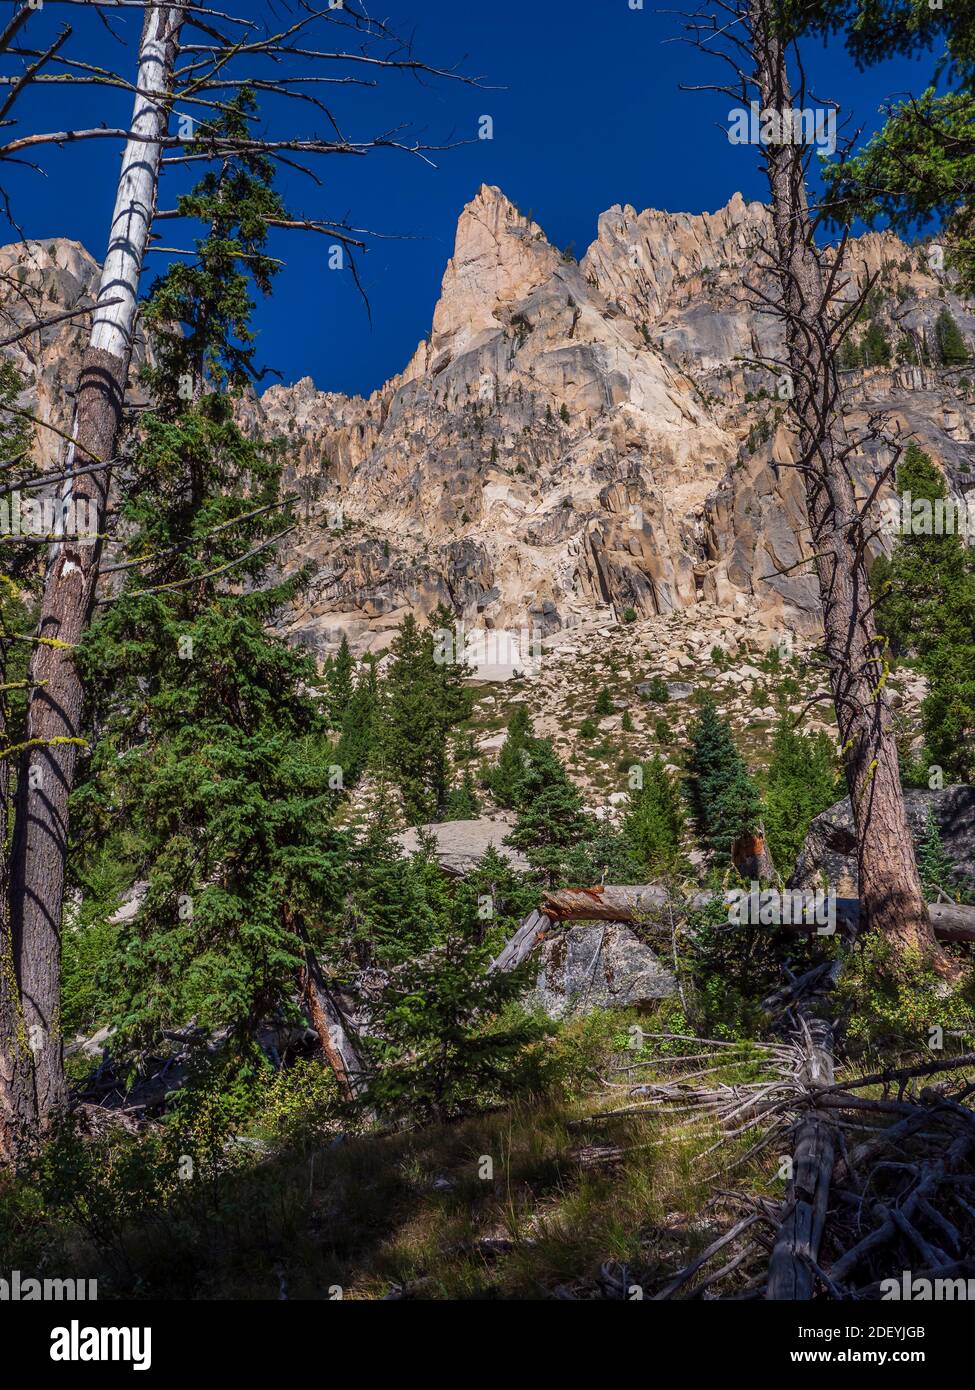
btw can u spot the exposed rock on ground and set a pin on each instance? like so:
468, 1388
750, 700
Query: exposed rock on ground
461, 843
599, 966
830, 846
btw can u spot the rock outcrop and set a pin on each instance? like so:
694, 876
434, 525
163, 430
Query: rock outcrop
575, 443
461, 844
829, 851
599, 966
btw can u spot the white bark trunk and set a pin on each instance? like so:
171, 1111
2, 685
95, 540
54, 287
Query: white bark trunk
135, 203
30, 1013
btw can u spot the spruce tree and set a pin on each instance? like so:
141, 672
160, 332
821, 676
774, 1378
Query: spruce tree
802, 780
654, 822
876, 345
551, 822
210, 758
505, 778
360, 722
447, 1043
463, 804
424, 697
925, 596
414, 734
849, 356
604, 703
952, 348
724, 801
339, 684
933, 863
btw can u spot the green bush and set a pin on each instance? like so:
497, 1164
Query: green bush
890, 1002
656, 691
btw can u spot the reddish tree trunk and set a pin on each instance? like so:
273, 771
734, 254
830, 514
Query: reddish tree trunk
889, 885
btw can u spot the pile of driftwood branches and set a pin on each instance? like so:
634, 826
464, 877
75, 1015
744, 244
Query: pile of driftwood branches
879, 1168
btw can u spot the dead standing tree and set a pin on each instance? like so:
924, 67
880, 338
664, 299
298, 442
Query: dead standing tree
749, 37
188, 81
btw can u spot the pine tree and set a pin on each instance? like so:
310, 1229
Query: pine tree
376, 905
952, 348
724, 801
604, 703
462, 803
447, 1043
505, 778
424, 697
211, 759
849, 356
360, 725
654, 822
551, 823
339, 684
876, 345
933, 863
925, 597
413, 732
802, 780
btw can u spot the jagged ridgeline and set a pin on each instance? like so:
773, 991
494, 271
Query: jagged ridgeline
576, 441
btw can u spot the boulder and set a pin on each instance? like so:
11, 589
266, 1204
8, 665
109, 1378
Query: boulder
598, 965
461, 843
830, 845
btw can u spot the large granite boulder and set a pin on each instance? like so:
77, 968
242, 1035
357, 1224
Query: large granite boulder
598, 965
461, 844
830, 846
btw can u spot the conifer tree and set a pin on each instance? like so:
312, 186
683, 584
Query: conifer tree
360, 724
551, 823
876, 345
210, 755
925, 598
952, 348
506, 776
339, 683
724, 801
463, 803
933, 863
424, 697
654, 822
802, 780
447, 1041
414, 732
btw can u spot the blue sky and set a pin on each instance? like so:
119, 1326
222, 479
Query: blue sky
589, 114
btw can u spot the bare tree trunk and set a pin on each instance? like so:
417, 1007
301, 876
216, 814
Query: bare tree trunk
47, 768
16, 1097
796, 1249
648, 903
889, 886
337, 1039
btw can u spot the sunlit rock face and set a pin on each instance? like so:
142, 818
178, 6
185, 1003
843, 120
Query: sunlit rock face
574, 444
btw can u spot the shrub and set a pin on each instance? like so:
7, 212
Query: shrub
656, 691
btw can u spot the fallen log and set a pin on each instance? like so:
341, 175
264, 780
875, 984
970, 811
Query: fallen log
638, 902
524, 941
642, 902
336, 1036
796, 1250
